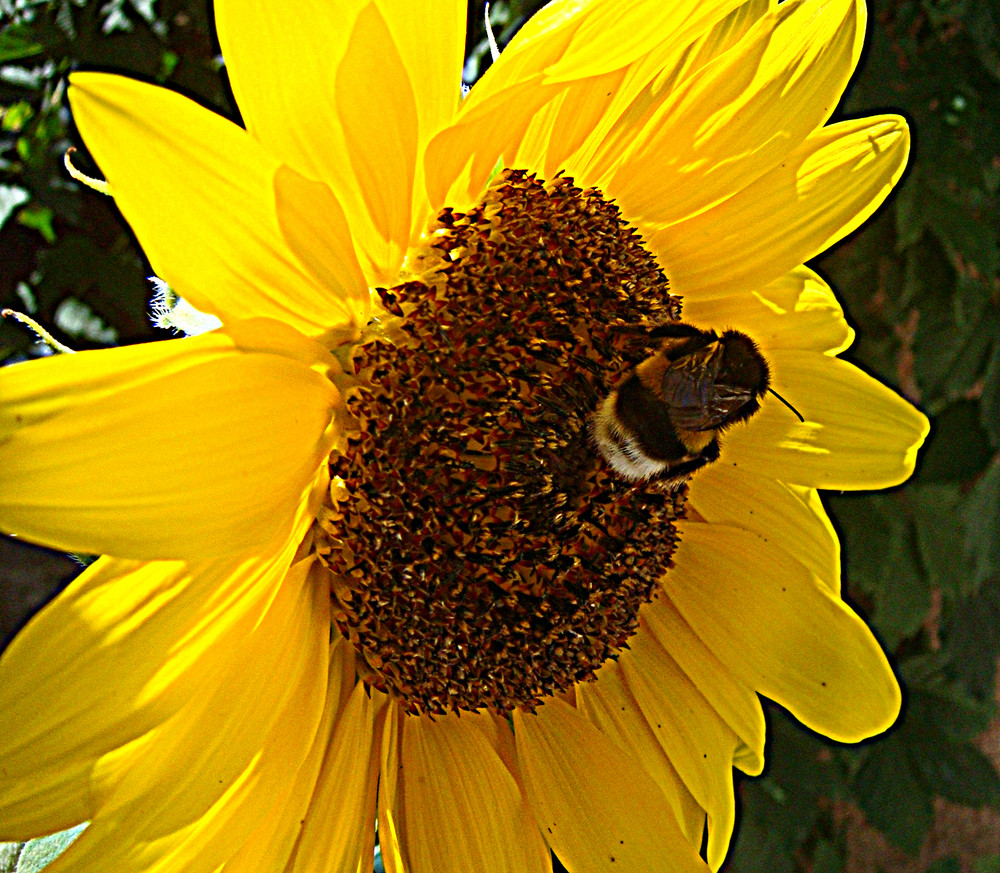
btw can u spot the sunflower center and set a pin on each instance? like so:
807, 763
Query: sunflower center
483, 554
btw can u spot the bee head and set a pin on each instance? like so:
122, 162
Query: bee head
743, 373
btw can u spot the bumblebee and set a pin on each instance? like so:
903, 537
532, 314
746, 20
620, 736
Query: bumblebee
664, 418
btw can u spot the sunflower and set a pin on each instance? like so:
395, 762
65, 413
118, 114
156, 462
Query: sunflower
380, 571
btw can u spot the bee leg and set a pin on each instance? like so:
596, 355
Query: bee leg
678, 473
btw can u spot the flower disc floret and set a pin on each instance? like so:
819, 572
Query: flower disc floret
483, 554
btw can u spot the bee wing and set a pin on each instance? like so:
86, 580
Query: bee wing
696, 399
688, 388
728, 400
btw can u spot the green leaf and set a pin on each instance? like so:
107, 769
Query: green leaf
958, 448
987, 865
942, 700
990, 401
782, 809
971, 641
759, 843
982, 524
984, 28
15, 44
38, 218
953, 347
881, 559
960, 773
941, 724
911, 217
110, 281
945, 865
957, 325
893, 797
930, 754
952, 214
827, 858
16, 116
939, 529
170, 60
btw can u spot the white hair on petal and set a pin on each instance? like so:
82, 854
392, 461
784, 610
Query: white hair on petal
170, 311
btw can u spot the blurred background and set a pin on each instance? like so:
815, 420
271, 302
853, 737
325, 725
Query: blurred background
920, 284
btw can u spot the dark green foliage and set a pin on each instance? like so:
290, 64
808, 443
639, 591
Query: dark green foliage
981, 513
63, 241
882, 553
970, 638
788, 810
920, 283
929, 754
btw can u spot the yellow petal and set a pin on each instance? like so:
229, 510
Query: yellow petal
597, 808
733, 701
186, 449
45, 802
567, 123
338, 835
166, 630
821, 192
281, 65
612, 709
648, 82
725, 33
198, 192
303, 79
316, 230
796, 311
587, 47
699, 743
380, 130
454, 782
777, 628
189, 793
495, 116
572, 40
390, 776
459, 160
791, 516
280, 832
743, 113
858, 434
431, 43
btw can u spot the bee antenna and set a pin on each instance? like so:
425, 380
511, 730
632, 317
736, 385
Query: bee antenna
789, 405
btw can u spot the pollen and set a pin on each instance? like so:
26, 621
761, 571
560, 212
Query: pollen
483, 555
